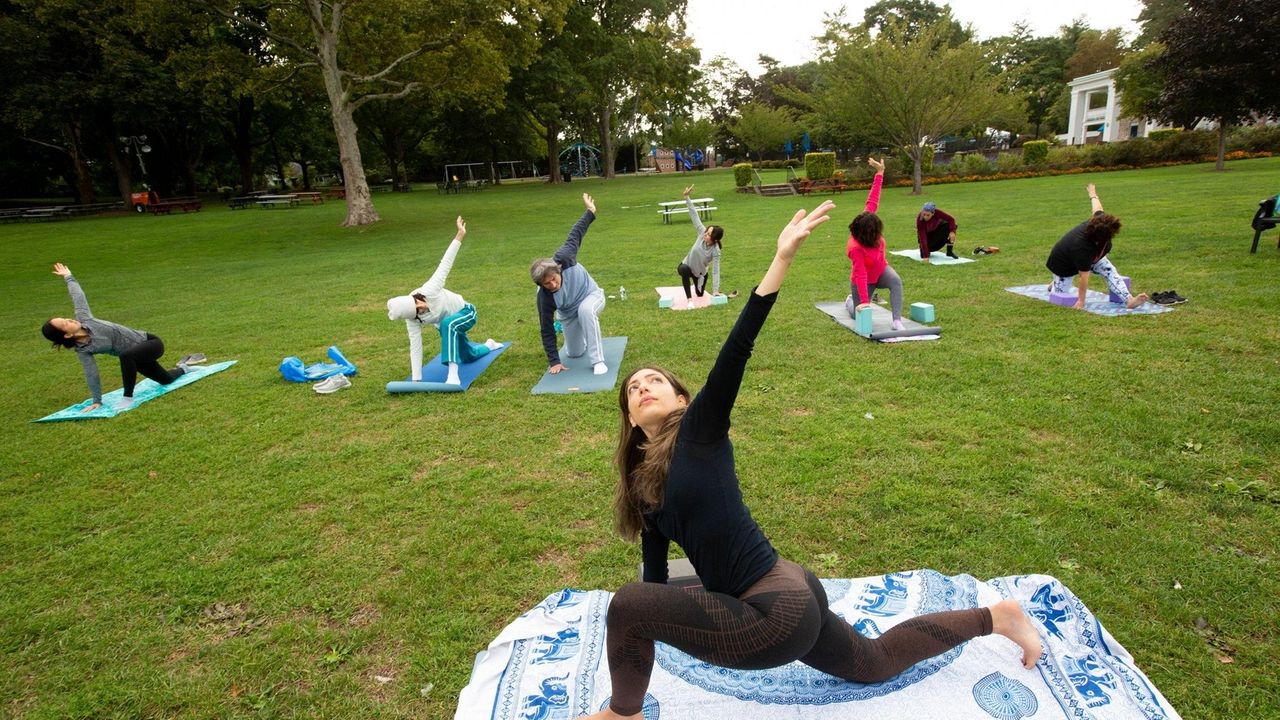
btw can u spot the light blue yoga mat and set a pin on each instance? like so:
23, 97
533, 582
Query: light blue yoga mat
881, 324
144, 391
579, 378
935, 258
1095, 302
434, 374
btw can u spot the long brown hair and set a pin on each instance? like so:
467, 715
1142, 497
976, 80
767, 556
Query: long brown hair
643, 462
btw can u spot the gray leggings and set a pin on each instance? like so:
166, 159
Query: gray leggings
890, 281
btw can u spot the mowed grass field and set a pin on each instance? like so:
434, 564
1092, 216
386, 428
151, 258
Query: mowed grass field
245, 548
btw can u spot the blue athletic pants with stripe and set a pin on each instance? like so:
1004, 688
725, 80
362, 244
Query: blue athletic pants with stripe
454, 345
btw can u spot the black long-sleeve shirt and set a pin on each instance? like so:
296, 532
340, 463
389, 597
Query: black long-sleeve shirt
702, 508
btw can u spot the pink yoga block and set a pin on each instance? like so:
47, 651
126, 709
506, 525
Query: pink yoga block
1116, 298
1063, 299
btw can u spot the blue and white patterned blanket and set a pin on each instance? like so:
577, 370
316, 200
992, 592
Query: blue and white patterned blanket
550, 664
1097, 303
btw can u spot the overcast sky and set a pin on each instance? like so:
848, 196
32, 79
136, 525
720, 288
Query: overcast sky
744, 29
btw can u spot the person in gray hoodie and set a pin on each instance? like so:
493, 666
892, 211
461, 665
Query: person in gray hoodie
432, 304
703, 256
565, 288
139, 351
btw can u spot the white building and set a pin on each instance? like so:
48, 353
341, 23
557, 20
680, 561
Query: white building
1095, 112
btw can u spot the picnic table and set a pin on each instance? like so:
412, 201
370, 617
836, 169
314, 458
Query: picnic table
55, 212
825, 185
314, 197
241, 202
270, 201
675, 207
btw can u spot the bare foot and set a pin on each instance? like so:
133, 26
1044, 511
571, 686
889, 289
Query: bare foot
1136, 300
1007, 619
609, 714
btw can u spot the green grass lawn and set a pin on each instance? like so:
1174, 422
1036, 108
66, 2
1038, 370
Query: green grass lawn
246, 548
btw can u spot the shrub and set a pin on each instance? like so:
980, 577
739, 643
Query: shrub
819, 165
1192, 145
742, 174
1138, 151
1008, 162
1158, 135
975, 164
1264, 138
1061, 157
1035, 152
926, 160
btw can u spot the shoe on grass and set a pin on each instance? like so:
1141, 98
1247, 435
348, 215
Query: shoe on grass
332, 385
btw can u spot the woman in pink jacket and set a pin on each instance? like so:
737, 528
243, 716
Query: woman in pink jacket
866, 253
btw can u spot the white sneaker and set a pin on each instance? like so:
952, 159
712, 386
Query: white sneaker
599, 368
897, 324
689, 306
492, 344
332, 385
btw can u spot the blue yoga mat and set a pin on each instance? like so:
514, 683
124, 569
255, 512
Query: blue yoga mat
1095, 302
579, 378
145, 391
434, 374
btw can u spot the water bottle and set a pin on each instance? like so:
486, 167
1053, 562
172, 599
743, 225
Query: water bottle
622, 293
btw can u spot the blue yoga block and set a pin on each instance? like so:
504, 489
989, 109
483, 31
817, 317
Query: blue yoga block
1128, 285
922, 312
862, 322
665, 302
1063, 299
719, 300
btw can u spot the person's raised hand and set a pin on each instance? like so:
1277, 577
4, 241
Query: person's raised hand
802, 223
462, 229
1093, 191
877, 164
591, 204
688, 190
61, 270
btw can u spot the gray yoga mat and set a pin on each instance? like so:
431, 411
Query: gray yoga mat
579, 378
881, 324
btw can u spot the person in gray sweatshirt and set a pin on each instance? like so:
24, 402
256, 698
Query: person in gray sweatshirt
703, 256
565, 288
139, 351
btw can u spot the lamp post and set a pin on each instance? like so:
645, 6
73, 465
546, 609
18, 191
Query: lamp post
139, 145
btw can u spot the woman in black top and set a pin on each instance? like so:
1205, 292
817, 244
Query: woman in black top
755, 610
1083, 250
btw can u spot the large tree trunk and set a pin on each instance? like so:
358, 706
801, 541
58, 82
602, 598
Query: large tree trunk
360, 210
607, 151
553, 151
241, 141
1222, 145
84, 181
124, 179
917, 158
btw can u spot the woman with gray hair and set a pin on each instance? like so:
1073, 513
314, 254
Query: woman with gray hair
565, 288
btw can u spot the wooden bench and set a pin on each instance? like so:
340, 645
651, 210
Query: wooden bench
167, 206
336, 193
677, 207
827, 185
277, 202
314, 197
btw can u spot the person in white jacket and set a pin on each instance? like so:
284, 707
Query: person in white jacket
447, 311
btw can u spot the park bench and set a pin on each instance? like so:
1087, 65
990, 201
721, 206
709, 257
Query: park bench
95, 208
242, 202
46, 213
314, 198
1264, 219
12, 215
676, 207
272, 201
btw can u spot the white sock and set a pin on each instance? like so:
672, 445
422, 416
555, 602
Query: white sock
599, 368
453, 375
897, 323
492, 344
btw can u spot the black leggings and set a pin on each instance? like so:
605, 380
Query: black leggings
143, 358
699, 281
939, 238
781, 618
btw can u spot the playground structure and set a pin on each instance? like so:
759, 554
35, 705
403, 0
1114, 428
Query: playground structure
689, 158
580, 159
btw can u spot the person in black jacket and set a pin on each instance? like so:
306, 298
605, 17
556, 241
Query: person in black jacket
677, 482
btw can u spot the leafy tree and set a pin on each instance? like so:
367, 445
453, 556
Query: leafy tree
723, 88
906, 20
1138, 85
1155, 17
760, 127
1219, 64
389, 49
1095, 51
909, 93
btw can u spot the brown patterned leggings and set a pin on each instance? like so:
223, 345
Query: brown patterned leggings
781, 618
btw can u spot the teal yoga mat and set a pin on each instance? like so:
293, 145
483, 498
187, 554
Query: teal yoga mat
434, 374
144, 392
579, 378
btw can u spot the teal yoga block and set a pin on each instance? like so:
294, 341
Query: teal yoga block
922, 312
665, 302
862, 322
719, 300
